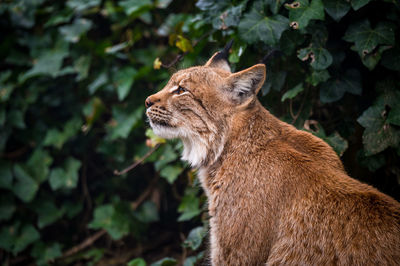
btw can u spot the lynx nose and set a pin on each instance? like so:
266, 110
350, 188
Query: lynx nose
148, 102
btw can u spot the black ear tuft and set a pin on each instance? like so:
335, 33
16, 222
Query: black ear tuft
224, 54
220, 59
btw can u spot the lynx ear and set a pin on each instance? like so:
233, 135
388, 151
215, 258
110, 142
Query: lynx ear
245, 84
220, 59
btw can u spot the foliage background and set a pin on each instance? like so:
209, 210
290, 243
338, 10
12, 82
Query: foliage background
73, 78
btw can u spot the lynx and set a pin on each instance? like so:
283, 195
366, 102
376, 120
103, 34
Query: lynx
276, 195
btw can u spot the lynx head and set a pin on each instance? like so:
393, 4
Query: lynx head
198, 103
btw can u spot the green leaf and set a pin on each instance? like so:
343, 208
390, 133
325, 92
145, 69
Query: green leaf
337, 9
334, 89
49, 62
45, 253
337, 142
137, 262
123, 122
189, 206
165, 262
108, 217
8, 234
47, 212
73, 32
171, 173
7, 206
290, 40
318, 76
98, 82
255, 26
81, 5
378, 134
391, 59
357, 4
168, 155
38, 165
57, 139
26, 187
394, 115
290, 94
81, 67
6, 176
373, 162
302, 11
275, 80
132, 6
27, 236
123, 80
319, 57
195, 237
366, 39
147, 212
66, 177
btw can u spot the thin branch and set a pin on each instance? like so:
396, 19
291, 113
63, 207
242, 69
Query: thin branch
145, 194
150, 152
87, 242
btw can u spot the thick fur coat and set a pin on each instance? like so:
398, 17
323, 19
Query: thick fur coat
277, 195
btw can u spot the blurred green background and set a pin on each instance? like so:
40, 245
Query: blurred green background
73, 78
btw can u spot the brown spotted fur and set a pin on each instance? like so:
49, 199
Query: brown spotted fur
277, 195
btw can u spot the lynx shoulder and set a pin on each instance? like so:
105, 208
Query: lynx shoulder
277, 195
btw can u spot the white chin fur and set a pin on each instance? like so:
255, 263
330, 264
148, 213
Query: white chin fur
165, 132
194, 150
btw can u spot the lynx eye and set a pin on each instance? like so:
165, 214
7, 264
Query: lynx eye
179, 90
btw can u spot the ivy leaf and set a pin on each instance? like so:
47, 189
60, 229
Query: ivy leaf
27, 236
137, 262
302, 11
81, 5
373, 162
378, 134
66, 177
189, 206
394, 115
337, 9
98, 82
357, 4
183, 44
123, 122
26, 187
391, 58
108, 217
275, 80
290, 94
73, 32
334, 89
7, 206
147, 212
38, 165
48, 62
367, 39
290, 40
6, 175
45, 253
337, 142
195, 237
133, 6
318, 76
47, 212
165, 262
319, 57
171, 173
123, 80
57, 138
255, 26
